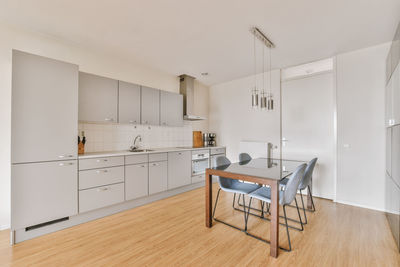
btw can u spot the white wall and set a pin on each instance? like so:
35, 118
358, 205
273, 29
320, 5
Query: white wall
308, 109
88, 61
233, 119
360, 127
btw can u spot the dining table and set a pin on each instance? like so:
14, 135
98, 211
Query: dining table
263, 171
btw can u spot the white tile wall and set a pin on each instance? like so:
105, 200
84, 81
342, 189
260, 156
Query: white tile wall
114, 137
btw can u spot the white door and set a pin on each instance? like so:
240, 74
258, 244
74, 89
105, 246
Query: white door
308, 127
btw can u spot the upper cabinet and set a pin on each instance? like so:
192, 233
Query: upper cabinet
44, 109
171, 109
150, 99
393, 57
128, 103
98, 98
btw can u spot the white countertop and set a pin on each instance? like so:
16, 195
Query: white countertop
128, 153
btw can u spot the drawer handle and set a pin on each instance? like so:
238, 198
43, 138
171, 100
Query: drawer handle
109, 119
132, 121
65, 164
142, 166
99, 171
105, 160
179, 153
65, 156
154, 164
102, 189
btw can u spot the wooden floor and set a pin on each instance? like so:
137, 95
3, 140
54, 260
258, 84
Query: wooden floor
171, 232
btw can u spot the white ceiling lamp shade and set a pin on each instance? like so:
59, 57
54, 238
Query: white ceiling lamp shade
266, 98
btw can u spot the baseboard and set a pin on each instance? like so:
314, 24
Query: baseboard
358, 205
4, 227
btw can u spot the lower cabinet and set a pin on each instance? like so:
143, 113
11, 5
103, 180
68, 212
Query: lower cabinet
158, 177
393, 208
99, 197
43, 192
136, 181
179, 169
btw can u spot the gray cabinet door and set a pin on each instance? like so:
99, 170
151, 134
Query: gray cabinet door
150, 106
395, 166
136, 181
389, 104
98, 98
128, 103
158, 177
42, 192
395, 83
171, 109
389, 151
179, 169
44, 109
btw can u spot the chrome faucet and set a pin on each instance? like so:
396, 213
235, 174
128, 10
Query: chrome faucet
134, 147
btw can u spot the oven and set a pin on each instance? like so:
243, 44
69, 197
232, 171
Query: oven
200, 162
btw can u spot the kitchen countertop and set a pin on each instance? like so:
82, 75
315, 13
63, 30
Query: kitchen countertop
128, 153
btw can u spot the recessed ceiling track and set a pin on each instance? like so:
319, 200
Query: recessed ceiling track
262, 37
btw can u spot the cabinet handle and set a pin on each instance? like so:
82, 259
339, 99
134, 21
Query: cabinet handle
102, 189
109, 119
65, 164
99, 171
65, 156
142, 166
154, 164
105, 160
132, 121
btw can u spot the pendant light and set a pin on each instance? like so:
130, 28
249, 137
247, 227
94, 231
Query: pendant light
266, 99
254, 95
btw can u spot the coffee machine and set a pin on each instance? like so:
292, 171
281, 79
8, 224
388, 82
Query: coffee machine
209, 139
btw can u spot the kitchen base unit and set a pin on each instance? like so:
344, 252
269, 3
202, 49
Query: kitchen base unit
20, 235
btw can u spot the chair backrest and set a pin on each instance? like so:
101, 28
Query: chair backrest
221, 161
292, 185
244, 157
306, 181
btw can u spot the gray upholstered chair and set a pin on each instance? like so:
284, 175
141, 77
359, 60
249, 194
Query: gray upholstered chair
285, 198
305, 183
244, 157
231, 186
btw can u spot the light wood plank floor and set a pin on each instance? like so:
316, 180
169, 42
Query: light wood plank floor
171, 232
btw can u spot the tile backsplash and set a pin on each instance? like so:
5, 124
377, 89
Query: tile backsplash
114, 137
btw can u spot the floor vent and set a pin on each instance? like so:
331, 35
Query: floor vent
33, 227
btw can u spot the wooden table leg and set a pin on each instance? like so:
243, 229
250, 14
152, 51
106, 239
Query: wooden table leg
208, 199
274, 231
309, 202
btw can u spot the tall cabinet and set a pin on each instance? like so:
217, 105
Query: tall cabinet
392, 122
43, 142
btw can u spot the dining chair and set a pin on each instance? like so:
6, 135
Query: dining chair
305, 183
232, 186
285, 198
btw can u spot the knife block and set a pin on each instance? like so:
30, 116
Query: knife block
81, 148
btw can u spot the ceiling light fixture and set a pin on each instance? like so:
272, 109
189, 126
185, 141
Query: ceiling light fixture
266, 99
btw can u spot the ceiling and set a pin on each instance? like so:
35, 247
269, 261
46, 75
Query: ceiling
187, 36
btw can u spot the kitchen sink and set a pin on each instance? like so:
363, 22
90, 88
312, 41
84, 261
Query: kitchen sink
139, 150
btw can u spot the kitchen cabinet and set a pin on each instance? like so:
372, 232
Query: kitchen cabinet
395, 154
158, 177
171, 109
179, 169
100, 177
44, 118
389, 104
100, 197
136, 181
395, 83
42, 192
128, 103
98, 98
150, 106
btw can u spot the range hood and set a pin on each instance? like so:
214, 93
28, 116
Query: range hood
187, 90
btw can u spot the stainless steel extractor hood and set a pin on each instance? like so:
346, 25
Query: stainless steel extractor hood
187, 90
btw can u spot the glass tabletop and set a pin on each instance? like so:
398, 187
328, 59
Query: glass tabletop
275, 169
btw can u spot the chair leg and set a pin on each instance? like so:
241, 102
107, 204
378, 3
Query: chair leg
248, 213
216, 201
298, 213
304, 209
233, 202
244, 213
287, 228
312, 200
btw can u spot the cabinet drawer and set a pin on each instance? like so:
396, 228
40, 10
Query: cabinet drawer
99, 197
200, 151
136, 159
158, 157
215, 151
99, 177
198, 178
95, 163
